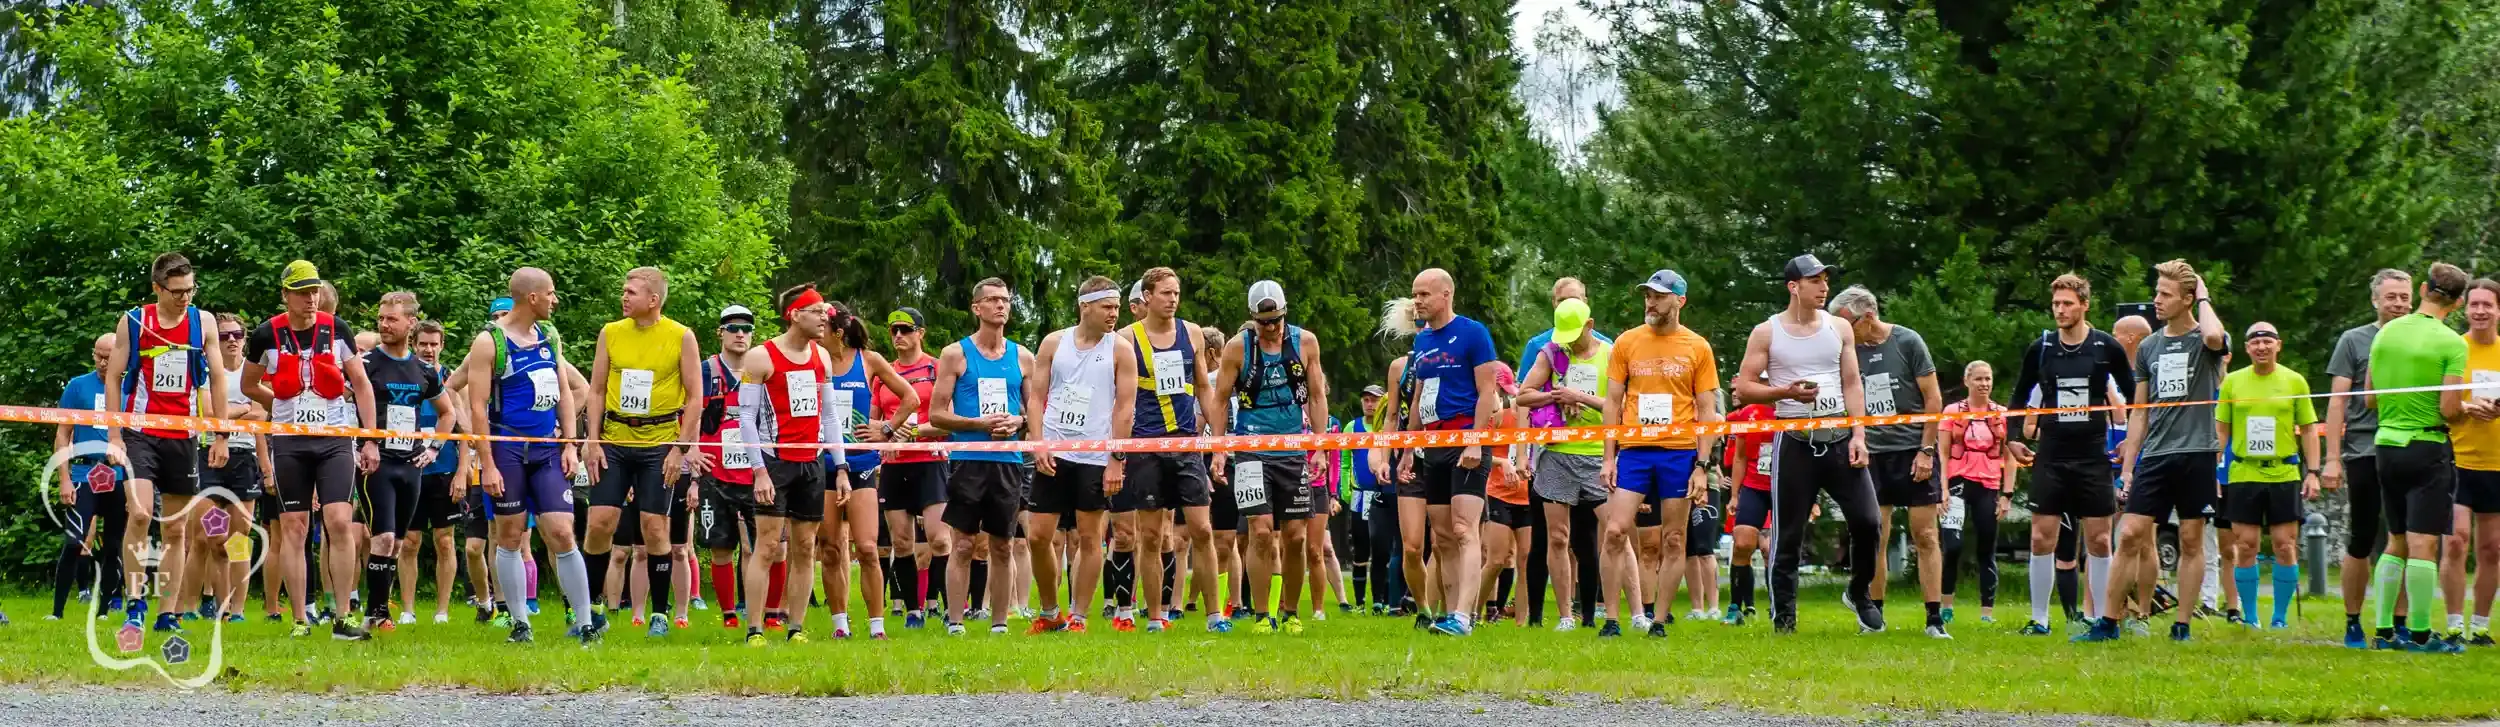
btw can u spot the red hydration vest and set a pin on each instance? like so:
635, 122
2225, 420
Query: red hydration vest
317, 369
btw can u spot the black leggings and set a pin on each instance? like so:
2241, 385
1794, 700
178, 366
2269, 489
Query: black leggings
2367, 536
1979, 535
1388, 579
1798, 472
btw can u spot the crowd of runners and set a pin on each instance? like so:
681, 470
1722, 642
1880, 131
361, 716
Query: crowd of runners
730, 470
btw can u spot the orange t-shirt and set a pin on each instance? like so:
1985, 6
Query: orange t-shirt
1497, 485
1661, 375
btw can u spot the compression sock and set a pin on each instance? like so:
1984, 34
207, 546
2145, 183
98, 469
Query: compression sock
981, 586
2246, 578
663, 584
1740, 579
2099, 578
2286, 587
574, 578
2385, 579
529, 568
779, 580
725, 585
381, 572
893, 586
597, 569
933, 580
511, 577
1171, 570
1124, 573
2043, 570
2421, 588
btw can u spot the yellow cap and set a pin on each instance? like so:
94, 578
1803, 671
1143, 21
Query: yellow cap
1571, 318
300, 275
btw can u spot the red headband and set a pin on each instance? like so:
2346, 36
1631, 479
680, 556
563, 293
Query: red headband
807, 299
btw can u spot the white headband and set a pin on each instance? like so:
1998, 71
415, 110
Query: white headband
1097, 295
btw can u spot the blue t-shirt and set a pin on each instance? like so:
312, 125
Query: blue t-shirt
1527, 356
447, 458
85, 393
1445, 362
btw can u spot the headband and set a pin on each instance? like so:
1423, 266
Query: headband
807, 299
2254, 335
1110, 294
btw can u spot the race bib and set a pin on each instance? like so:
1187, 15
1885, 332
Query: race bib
2073, 394
1657, 409
543, 389
1829, 400
1171, 374
1249, 484
1429, 400
1955, 510
2486, 384
1762, 460
843, 410
2170, 375
1879, 395
169, 373
993, 396
312, 410
399, 418
633, 393
1070, 405
735, 456
1582, 379
2261, 437
98, 405
803, 393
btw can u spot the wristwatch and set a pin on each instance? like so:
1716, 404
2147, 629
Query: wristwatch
1119, 456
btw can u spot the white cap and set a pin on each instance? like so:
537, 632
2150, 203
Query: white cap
736, 311
1137, 290
1266, 290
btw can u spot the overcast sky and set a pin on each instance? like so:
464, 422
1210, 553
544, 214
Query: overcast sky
1564, 128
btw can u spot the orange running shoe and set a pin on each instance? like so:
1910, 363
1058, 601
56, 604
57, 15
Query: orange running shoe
1042, 625
1124, 624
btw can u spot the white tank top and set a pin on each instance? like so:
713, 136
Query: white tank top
1079, 406
1813, 358
236, 400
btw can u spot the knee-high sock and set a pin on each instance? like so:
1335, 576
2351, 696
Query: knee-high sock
662, 577
2286, 587
981, 586
725, 585
381, 572
1124, 576
2043, 570
597, 575
1171, 570
778, 582
511, 577
2246, 578
2386, 577
2099, 578
1740, 579
933, 579
574, 578
2421, 588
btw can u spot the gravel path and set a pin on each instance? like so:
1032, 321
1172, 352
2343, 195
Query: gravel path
94, 707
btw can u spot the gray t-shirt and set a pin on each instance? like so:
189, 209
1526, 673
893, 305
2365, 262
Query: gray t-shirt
2179, 368
2352, 361
1891, 370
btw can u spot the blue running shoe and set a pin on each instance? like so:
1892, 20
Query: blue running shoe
2034, 628
659, 628
135, 611
1948, 615
915, 620
1219, 624
168, 622
2355, 638
1612, 629
533, 607
1447, 625
2436, 646
2104, 630
2278, 625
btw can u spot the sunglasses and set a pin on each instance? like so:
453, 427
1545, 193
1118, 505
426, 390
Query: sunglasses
1266, 322
737, 328
904, 330
230, 335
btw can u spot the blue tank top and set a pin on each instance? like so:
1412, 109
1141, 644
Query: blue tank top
1173, 414
520, 408
1267, 401
1007, 396
447, 459
856, 383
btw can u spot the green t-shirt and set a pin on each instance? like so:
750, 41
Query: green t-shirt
2413, 351
1588, 374
2265, 421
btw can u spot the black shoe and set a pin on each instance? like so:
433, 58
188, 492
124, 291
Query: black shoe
520, 634
341, 630
1784, 624
2178, 632
485, 614
1657, 629
1423, 621
1612, 629
1870, 618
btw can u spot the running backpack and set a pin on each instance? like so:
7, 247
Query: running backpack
1550, 415
503, 357
196, 344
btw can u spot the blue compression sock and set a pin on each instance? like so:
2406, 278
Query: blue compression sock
2286, 587
2246, 577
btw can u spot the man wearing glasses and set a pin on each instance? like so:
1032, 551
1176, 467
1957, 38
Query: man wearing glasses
160, 358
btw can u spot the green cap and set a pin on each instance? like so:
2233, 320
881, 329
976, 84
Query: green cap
1571, 317
300, 275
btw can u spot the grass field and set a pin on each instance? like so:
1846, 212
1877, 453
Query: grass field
2226, 674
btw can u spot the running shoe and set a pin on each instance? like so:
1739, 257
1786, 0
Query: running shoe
135, 612
485, 614
1641, 623
442, 617
1262, 625
2140, 627
273, 618
1025, 614
301, 630
1696, 615
2436, 646
598, 625
1292, 625
679, 622
2479, 638
1936, 631
1657, 630
2399, 642
699, 605
1158, 625
2233, 616
658, 630
1610, 629
1109, 610
954, 629
638, 619
407, 618
232, 618
520, 634
1458, 627
1784, 625
1566, 625
876, 631
1344, 607
2178, 632
1042, 625
380, 624
1987, 618
755, 638
2034, 628
341, 630
1074, 625
915, 620
166, 622
774, 622
1123, 624
998, 629
1219, 625
978, 614
2354, 637
1446, 625
1948, 615
1423, 620
1870, 618
533, 604
841, 633
795, 636
2278, 625
2106, 630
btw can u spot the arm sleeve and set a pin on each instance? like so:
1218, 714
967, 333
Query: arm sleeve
829, 428
751, 399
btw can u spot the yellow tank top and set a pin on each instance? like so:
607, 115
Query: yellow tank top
2478, 442
643, 381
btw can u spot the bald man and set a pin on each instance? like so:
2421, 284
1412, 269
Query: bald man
1450, 378
517, 388
79, 450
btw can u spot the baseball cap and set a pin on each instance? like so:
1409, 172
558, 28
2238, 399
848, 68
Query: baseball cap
1665, 281
1571, 318
300, 275
1807, 266
1375, 390
1263, 292
501, 305
906, 317
735, 313
1137, 290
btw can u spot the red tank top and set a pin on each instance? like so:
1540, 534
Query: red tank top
733, 467
164, 370
923, 379
795, 408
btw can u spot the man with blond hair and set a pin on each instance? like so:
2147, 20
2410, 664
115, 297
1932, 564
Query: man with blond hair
2174, 449
645, 371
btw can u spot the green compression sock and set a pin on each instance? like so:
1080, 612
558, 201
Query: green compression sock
2421, 594
2385, 578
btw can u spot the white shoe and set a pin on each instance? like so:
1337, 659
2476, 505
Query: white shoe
1696, 615
1937, 632
1319, 615
406, 618
441, 617
1566, 624
1640, 624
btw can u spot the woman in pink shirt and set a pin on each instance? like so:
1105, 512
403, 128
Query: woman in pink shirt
1976, 467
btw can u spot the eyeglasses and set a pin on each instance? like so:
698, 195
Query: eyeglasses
737, 328
181, 292
230, 335
1266, 322
905, 330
